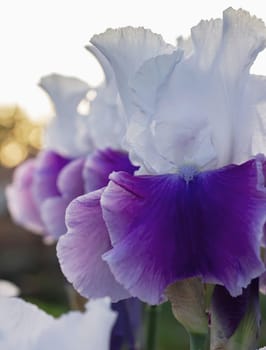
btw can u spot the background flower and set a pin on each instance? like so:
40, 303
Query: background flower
24, 326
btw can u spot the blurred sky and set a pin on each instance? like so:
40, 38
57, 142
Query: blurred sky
39, 37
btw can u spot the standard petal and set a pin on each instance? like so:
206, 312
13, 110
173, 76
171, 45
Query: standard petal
65, 92
169, 227
100, 164
80, 250
154, 72
107, 108
20, 200
244, 35
126, 49
107, 68
205, 113
62, 133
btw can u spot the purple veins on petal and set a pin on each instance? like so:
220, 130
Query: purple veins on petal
80, 250
101, 163
164, 228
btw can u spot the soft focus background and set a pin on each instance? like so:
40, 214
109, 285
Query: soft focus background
40, 37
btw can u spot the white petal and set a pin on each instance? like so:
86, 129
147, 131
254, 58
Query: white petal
171, 132
82, 331
185, 44
62, 133
8, 289
25, 327
203, 110
107, 121
244, 36
108, 71
65, 92
126, 49
20, 324
150, 78
206, 37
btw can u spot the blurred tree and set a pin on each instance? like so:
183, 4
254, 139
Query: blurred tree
19, 136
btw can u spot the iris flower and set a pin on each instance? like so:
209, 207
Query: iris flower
81, 151
36, 179
79, 154
198, 204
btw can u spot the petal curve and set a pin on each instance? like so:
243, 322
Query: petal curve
80, 250
164, 228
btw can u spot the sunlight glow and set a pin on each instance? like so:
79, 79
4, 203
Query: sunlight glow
41, 37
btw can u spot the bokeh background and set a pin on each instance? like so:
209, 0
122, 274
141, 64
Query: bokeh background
41, 37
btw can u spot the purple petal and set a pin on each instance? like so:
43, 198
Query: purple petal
101, 163
20, 201
70, 184
53, 211
127, 323
166, 228
235, 322
80, 250
228, 311
48, 166
70, 181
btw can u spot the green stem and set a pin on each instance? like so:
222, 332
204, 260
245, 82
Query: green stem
75, 300
197, 341
151, 328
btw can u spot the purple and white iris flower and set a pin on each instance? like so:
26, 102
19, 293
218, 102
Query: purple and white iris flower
81, 151
198, 204
80, 250
23, 326
43, 187
38, 179
100, 136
